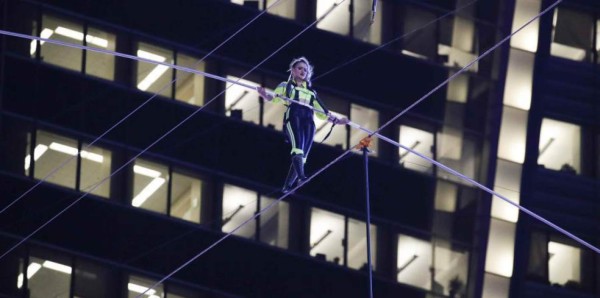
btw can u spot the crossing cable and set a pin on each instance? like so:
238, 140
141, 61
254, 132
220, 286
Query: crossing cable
394, 40
371, 133
172, 129
64, 163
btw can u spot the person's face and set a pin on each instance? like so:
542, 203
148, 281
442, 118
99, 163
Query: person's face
300, 71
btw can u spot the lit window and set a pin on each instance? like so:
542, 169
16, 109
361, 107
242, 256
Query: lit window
338, 20
95, 166
414, 262
150, 186
519, 79
46, 278
152, 77
190, 87
273, 113
186, 197
527, 38
241, 102
286, 9
500, 252
420, 141
445, 196
564, 264
363, 29
239, 204
495, 286
458, 88
367, 118
508, 184
138, 285
572, 34
459, 52
450, 268
60, 30
274, 222
99, 64
560, 146
326, 235
357, 244
49, 154
512, 135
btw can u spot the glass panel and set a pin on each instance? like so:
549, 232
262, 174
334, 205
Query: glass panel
285, 9
274, 223
326, 235
186, 197
527, 38
414, 262
459, 152
458, 88
519, 79
138, 285
95, 166
50, 152
572, 34
338, 20
239, 204
337, 136
495, 286
508, 184
150, 186
48, 278
564, 264
459, 54
93, 281
273, 113
450, 269
239, 99
190, 87
423, 44
151, 77
500, 252
560, 146
61, 30
98, 64
363, 29
445, 196
512, 135
420, 141
367, 118
357, 244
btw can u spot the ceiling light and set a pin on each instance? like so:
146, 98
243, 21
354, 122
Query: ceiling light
149, 190
31, 270
57, 267
158, 71
79, 36
145, 171
46, 33
140, 289
37, 152
73, 152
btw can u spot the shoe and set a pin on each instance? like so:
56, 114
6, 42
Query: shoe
289, 181
298, 163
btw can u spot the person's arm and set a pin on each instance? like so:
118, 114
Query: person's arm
326, 114
275, 97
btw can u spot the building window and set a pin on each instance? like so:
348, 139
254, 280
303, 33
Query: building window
285, 9
572, 34
446, 195
338, 20
186, 197
151, 77
527, 38
189, 87
414, 262
564, 263
93, 281
362, 27
560, 146
367, 118
508, 184
240, 204
138, 285
273, 113
47, 278
95, 166
495, 286
99, 64
420, 141
326, 235
50, 152
274, 222
500, 252
423, 44
519, 79
60, 30
512, 135
357, 244
242, 103
150, 186
456, 48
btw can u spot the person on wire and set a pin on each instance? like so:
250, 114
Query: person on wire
298, 123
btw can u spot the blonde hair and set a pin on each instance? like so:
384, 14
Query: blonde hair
309, 69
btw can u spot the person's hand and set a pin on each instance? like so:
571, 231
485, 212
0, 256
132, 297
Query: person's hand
335, 120
263, 93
